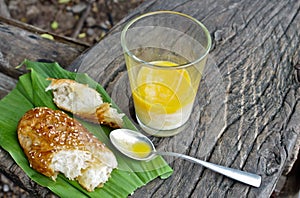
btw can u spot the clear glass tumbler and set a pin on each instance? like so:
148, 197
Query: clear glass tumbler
165, 55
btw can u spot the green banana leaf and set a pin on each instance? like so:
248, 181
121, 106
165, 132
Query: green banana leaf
29, 93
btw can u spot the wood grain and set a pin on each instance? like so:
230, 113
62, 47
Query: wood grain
20, 41
6, 84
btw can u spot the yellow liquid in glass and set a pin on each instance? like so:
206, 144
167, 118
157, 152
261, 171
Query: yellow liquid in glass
161, 91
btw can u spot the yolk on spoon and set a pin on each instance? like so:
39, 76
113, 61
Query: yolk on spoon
141, 149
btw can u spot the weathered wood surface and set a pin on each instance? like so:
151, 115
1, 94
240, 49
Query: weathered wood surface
247, 113
19, 41
248, 103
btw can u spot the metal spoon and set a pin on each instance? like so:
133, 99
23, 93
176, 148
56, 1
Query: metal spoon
125, 139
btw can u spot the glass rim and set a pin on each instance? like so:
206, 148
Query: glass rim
190, 63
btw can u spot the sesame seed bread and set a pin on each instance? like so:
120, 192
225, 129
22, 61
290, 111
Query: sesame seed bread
54, 142
84, 102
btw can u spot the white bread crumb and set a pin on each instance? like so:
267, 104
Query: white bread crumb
94, 176
84, 102
71, 162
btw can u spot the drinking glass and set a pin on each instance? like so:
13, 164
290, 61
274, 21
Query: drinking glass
165, 54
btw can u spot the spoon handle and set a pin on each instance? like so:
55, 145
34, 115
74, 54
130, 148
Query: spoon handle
242, 176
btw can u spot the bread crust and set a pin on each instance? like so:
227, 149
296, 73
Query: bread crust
43, 132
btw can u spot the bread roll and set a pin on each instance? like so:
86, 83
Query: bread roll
54, 142
84, 102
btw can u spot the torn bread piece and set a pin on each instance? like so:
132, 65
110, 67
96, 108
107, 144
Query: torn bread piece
54, 142
84, 102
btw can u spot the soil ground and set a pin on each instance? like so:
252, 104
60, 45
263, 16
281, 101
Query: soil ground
85, 20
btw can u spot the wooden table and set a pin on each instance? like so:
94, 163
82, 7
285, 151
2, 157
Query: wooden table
247, 111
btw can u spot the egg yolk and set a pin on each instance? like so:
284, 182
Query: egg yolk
141, 149
162, 91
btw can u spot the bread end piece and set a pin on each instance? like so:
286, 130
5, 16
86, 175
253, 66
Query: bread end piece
109, 116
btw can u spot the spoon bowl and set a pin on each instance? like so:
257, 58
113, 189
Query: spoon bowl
133, 144
137, 146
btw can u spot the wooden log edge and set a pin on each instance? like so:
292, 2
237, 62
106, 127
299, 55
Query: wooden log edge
30, 28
